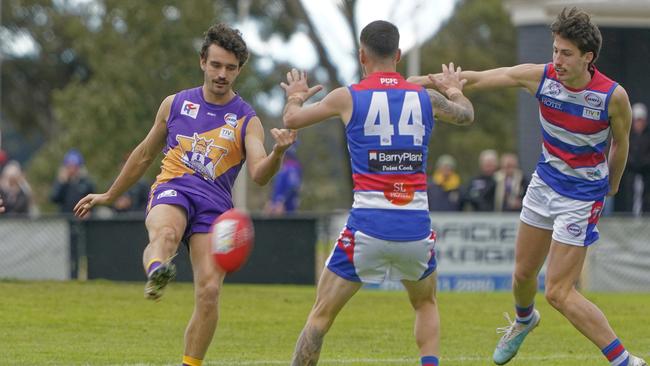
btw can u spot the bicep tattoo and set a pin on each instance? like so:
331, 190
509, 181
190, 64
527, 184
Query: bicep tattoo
459, 111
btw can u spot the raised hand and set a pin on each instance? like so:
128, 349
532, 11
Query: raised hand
297, 87
449, 81
284, 138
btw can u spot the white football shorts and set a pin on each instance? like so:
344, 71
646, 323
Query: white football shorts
361, 258
572, 221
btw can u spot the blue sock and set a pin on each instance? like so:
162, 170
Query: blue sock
616, 354
429, 361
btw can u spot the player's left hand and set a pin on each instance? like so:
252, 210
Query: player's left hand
284, 138
297, 85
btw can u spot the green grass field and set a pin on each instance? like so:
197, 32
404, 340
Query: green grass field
107, 323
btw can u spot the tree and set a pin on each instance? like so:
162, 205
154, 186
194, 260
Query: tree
478, 36
135, 54
29, 80
108, 64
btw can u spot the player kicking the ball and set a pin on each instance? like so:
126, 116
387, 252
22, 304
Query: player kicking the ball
579, 109
388, 234
206, 132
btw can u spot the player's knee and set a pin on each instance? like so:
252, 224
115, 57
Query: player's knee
522, 276
556, 296
207, 293
167, 234
322, 316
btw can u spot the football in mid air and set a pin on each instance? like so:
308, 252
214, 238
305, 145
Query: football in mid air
232, 239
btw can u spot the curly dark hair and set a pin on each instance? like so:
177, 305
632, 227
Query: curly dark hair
575, 25
227, 38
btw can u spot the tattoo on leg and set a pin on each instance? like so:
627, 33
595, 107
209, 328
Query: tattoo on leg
308, 347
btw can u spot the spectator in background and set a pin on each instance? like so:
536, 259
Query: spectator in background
444, 189
72, 182
634, 192
15, 190
134, 200
285, 195
510, 184
479, 195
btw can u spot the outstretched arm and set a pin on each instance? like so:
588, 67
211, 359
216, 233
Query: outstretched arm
135, 166
620, 121
455, 108
337, 103
262, 167
525, 76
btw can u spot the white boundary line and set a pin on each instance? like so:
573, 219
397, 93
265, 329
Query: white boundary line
403, 361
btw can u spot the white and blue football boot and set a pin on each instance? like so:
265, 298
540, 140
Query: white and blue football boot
513, 336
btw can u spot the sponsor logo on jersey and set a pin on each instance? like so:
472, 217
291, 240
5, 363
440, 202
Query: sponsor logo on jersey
227, 134
388, 81
552, 103
201, 154
395, 160
400, 195
230, 119
596, 173
190, 109
594, 100
591, 113
167, 193
554, 88
574, 229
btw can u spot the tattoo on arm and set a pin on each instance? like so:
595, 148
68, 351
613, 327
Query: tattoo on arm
458, 111
308, 347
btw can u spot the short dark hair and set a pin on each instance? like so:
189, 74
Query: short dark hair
575, 25
381, 38
227, 38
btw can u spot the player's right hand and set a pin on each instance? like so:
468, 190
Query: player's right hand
297, 85
448, 82
83, 207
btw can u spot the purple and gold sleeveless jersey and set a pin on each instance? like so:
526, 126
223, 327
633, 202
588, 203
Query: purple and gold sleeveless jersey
575, 128
205, 146
388, 137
